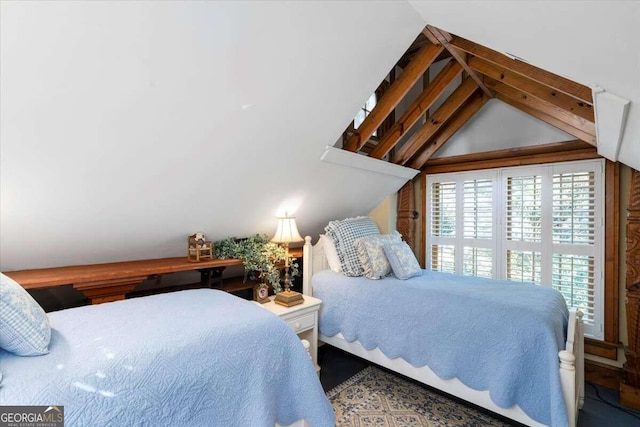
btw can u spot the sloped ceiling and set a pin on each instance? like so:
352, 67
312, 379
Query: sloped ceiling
590, 42
126, 126
498, 126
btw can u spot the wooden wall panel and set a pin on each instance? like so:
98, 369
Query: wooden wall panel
406, 219
630, 387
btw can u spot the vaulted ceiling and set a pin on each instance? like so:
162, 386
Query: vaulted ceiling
589, 42
126, 126
478, 74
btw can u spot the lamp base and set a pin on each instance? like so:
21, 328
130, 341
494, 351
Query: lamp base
288, 298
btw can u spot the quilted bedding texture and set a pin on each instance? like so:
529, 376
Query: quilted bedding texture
198, 357
492, 335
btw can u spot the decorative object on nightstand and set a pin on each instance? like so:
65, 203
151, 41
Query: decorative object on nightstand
261, 293
286, 233
198, 248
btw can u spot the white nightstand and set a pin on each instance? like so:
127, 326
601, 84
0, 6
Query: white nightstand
303, 319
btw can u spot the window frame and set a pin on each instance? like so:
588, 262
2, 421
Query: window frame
543, 248
545, 154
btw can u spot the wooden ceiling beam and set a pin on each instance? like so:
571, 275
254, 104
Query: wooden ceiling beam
505, 158
532, 150
421, 61
407, 57
445, 39
548, 119
417, 109
543, 106
559, 83
532, 88
435, 122
473, 105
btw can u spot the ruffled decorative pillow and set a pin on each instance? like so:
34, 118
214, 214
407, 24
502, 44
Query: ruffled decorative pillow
370, 251
344, 233
403, 262
24, 326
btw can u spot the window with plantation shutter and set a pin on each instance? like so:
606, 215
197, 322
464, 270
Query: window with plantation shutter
478, 227
573, 208
574, 277
443, 258
443, 209
443, 226
524, 208
478, 209
524, 266
542, 224
522, 242
574, 240
478, 262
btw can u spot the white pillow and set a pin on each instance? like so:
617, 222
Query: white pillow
24, 326
331, 253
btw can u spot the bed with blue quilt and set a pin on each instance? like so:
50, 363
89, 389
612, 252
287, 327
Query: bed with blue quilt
510, 347
198, 358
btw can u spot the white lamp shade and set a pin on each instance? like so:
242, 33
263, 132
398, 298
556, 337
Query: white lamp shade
287, 231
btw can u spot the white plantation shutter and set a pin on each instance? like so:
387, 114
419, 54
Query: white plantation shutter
522, 242
573, 208
574, 277
442, 214
524, 266
524, 208
443, 209
478, 227
576, 264
478, 262
542, 224
443, 258
478, 209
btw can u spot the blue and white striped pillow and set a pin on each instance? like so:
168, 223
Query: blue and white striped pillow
344, 233
24, 326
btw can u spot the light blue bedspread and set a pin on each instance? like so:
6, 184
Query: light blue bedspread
191, 358
492, 335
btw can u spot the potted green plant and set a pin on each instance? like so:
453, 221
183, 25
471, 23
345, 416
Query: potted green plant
258, 254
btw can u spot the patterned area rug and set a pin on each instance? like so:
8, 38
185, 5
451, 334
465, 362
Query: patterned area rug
374, 397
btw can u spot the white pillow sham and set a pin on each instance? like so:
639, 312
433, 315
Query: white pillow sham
331, 253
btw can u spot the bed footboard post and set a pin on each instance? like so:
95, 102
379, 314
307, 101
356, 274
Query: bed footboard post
568, 382
572, 367
307, 266
579, 352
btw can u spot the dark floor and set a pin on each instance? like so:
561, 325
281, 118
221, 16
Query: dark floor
601, 406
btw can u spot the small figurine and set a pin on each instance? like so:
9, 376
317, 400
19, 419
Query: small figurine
199, 248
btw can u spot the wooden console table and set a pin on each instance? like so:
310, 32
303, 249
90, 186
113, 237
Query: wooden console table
111, 281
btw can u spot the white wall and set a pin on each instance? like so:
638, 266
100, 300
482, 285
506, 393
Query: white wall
592, 42
386, 214
499, 126
126, 126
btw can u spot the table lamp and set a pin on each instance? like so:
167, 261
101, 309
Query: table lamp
287, 232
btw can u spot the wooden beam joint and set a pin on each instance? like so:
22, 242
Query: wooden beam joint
445, 40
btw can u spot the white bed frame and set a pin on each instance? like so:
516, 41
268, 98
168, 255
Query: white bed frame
571, 359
